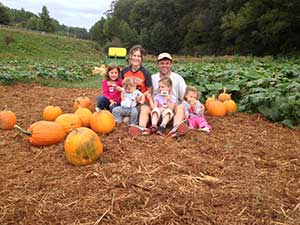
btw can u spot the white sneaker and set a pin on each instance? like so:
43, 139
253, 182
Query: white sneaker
126, 119
205, 129
97, 109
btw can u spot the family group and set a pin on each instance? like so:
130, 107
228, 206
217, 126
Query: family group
151, 104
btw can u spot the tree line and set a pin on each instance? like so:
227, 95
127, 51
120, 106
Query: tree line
41, 22
203, 27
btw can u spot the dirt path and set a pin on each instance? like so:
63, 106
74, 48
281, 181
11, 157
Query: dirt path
245, 172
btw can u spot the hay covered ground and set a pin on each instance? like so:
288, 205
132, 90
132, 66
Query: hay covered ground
246, 171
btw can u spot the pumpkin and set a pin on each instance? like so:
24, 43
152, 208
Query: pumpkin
68, 121
209, 100
102, 121
224, 96
7, 120
50, 113
82, 102
84, 115
82, 146
44, 133
216, 108
230, 106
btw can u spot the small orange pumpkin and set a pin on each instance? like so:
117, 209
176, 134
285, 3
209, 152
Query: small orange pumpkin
69, 121
230, 106
209, 100
82, 146
102, 121
85, 116
224, 96
216, 108
82, 102
7, 120
44, 133
50, 113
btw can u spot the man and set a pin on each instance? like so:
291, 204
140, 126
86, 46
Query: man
164, 63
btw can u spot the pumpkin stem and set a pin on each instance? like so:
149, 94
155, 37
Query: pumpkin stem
22, 130
224, 90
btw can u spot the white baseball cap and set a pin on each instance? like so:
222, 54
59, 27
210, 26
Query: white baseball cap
164, 55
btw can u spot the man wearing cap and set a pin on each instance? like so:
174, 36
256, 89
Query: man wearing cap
164, 62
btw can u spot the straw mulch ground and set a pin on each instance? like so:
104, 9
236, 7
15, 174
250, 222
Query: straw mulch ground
246, 171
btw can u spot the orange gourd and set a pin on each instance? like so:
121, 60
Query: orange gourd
85, 116
82, 146
230, 106
216, 108
82, 102
44, 133
50, 113
7, 120
209, 100
224, 96
102, 121
69, 121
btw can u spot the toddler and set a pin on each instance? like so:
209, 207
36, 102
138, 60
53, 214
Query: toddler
194, 110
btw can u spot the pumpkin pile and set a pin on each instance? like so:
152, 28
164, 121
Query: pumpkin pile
82, 145
221, 106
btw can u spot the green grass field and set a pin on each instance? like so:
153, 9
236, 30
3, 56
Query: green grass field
47, 59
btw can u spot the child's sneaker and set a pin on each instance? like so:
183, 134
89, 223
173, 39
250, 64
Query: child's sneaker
179, 130
161, 130
205, 129
97, 109
135, 130
126, 119
153, 129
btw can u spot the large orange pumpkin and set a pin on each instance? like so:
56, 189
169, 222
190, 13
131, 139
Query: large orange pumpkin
7, 119
217, 108
50, 112
224, 96
44, 133
82, 146
69, 121
82, 102
85, 116
102, 121
230, 106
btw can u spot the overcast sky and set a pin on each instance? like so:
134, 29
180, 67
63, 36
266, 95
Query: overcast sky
74, 13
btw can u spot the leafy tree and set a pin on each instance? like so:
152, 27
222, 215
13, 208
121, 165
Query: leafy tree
46, 24
4, 16
33, 23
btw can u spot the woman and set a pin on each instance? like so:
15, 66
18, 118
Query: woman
136, 70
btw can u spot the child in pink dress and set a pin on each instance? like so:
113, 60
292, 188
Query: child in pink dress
194, 110
111, 89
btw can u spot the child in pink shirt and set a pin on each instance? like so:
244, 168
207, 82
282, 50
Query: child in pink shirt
111, 89
194, 110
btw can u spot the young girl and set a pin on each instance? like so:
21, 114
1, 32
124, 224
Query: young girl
162, 106
111, 89
130, 98
194, 110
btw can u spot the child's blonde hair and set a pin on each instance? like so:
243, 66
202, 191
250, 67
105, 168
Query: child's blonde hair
191, 89
129, 82
111, 67
166, 81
